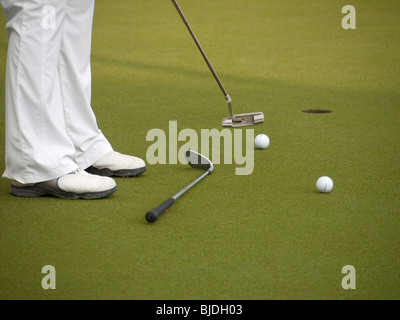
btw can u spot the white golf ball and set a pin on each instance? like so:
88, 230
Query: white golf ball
261, 141
324, 184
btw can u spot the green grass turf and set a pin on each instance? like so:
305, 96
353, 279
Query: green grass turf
268, 235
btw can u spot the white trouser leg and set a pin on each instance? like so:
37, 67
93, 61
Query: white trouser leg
37, 147
50, 127
75, 76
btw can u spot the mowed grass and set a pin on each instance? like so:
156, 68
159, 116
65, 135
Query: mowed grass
268, 235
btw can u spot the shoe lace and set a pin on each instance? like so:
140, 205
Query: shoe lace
77, 171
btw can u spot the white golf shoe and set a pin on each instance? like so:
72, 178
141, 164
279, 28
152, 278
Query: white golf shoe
75, 185
115, 164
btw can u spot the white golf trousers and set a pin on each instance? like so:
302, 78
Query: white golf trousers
51, 129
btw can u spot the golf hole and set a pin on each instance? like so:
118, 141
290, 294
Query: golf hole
316, 111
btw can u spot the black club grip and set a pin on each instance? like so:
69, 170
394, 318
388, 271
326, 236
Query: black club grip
153, 215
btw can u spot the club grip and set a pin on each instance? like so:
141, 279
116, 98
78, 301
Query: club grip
153, 215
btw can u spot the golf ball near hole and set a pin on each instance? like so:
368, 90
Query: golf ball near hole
261, 141
324, 184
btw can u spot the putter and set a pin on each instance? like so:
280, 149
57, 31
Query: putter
195, 160
233, 120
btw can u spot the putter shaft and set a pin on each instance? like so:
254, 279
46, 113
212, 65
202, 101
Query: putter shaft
201, 50
232, 120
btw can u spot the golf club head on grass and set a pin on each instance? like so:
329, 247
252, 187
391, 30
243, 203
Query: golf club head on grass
243, 120
198, 161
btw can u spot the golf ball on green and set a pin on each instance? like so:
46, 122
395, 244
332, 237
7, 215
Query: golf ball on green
261, 141
324, 184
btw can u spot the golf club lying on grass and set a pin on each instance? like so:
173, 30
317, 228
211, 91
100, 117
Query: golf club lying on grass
233, 120
195, 160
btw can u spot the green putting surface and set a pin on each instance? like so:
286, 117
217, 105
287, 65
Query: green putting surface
268, 235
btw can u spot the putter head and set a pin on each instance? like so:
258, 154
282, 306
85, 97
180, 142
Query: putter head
243, 120
198, 161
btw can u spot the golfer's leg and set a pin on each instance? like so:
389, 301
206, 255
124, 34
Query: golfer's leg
37, 146
75, 77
